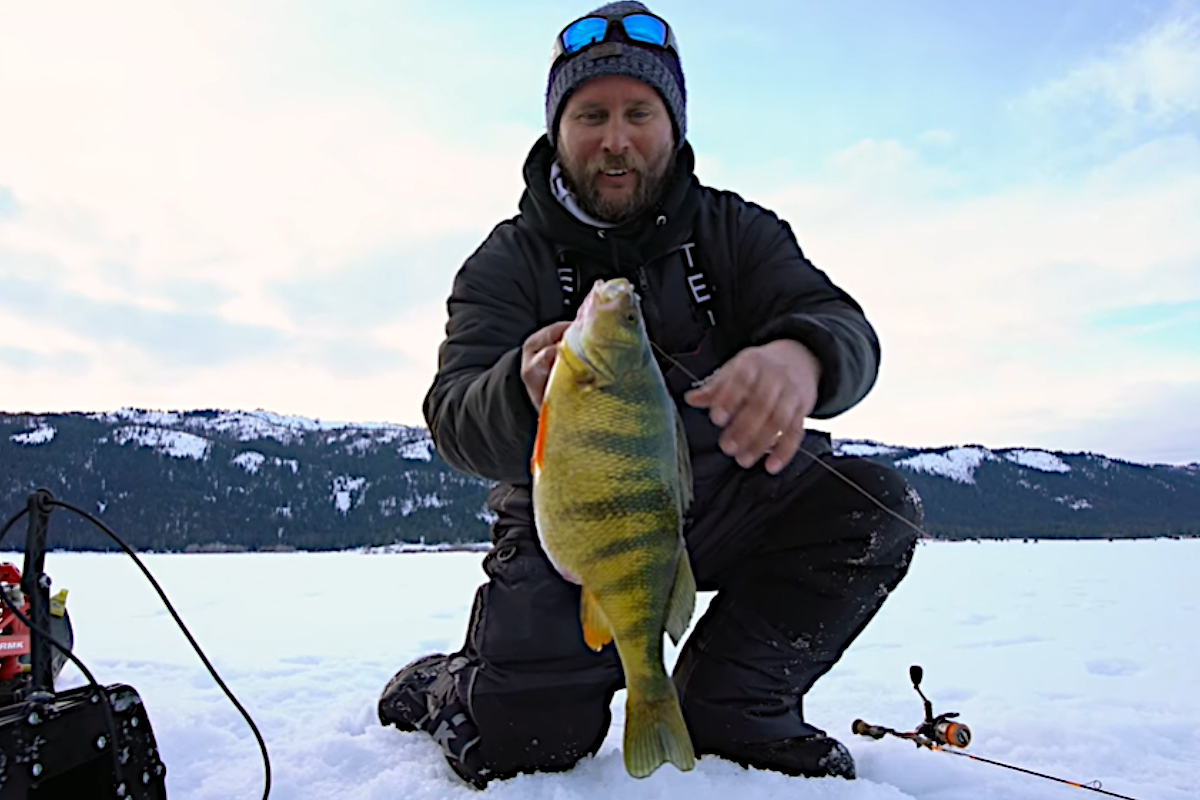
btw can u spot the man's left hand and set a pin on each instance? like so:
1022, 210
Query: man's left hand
761, 397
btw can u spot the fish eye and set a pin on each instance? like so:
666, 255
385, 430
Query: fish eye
631, 318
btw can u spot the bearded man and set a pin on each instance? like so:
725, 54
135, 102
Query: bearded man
800, 560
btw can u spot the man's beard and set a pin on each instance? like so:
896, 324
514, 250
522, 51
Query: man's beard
652, 179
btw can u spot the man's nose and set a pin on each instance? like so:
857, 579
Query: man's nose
616, 136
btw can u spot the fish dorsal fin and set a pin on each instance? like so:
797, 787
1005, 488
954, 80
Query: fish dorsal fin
683, 598
539, 444
596, 630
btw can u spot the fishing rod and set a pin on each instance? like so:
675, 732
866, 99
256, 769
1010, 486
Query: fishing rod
942, 734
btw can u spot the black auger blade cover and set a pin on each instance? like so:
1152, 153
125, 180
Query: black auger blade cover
62, 749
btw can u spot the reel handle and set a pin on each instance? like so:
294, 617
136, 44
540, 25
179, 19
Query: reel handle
866, 729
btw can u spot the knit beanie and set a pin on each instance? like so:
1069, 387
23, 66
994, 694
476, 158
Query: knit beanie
658, 67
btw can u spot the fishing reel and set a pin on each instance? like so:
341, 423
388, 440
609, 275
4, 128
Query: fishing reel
935, 732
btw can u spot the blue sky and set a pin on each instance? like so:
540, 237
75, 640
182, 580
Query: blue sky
262, 204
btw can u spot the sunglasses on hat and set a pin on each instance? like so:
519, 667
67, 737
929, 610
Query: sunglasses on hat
639, 28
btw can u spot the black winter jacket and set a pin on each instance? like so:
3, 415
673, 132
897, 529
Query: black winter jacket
744, 257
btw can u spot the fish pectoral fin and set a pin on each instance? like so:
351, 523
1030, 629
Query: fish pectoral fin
539, 444
596, 630
682, 602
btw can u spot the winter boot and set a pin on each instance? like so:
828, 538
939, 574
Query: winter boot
423, 696
816, 756
404, 702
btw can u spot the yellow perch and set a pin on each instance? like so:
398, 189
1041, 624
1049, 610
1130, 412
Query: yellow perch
611, 481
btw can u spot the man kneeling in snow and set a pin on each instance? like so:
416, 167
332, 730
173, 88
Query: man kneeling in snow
801, 561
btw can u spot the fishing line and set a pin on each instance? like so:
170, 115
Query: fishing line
174, 615
930, 736
696, 381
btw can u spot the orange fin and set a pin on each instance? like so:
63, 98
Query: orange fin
539, 444
596, 632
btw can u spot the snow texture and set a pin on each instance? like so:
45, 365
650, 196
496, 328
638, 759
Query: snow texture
42, 434
252, 461
249, 460
411, 504
343, 489
248, 426
1055, 653
1037, 459
845, 448
1074, 503
419, 450
139, 417
958, 464
175, 444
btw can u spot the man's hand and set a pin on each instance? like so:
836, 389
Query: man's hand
761, 398
537, 357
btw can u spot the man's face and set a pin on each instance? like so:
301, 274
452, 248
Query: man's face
616, 143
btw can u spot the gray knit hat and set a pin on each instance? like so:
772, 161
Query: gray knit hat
659, 68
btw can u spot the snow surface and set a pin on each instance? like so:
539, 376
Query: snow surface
1072, 658
252, 461
862, 449
1074, 503
248, 426
958, 464
1037, 459
420, 450
139, 417
175, 444
342, 490
249, 460
42, 434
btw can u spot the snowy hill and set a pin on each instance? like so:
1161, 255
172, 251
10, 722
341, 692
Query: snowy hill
257, 480
974, 492
233, 479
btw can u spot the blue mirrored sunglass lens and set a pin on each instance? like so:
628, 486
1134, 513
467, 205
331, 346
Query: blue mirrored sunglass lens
584, 32
644, 28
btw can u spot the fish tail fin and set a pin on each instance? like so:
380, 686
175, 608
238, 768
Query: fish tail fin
655, 732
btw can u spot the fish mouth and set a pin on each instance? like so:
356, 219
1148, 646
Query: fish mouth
614, 294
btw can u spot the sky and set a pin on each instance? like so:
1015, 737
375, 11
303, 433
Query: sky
262, 204
1057, 658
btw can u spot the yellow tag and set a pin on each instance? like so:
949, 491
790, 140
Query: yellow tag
58, 603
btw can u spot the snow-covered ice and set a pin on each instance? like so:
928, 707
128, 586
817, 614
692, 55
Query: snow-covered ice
1073, 658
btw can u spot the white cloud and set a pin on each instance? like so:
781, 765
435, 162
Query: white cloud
985, 304
1152, 79
148, 148
152, 134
